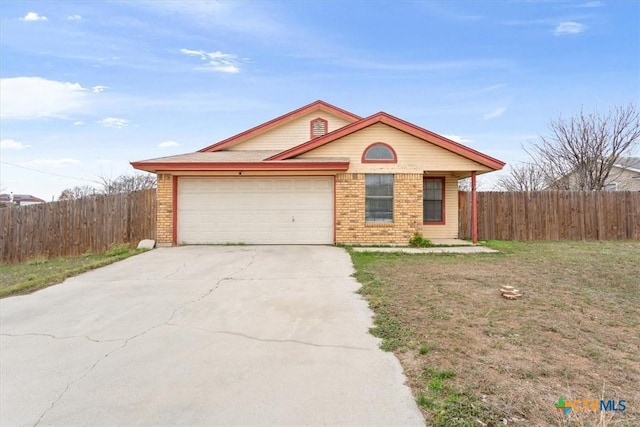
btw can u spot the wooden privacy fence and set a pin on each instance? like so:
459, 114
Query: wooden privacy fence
553, 215
73, 227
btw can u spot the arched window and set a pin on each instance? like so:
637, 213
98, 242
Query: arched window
319, 127
379, 152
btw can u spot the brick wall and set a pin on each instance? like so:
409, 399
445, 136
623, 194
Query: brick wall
350, 201
164, 210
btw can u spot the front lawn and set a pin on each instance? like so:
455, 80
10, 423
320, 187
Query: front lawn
39, 273
474, 358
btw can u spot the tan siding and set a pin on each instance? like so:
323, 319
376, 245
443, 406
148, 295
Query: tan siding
290, 134
450, 229
626, 180
414, 154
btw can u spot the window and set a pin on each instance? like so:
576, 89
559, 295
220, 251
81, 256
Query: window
319, 127
379, 153
433, 200
379, 198
612, 186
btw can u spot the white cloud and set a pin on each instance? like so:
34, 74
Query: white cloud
33, 16
569, 27
78, 123
99, 88
74, 18
53, 163
55, 99
217, 61
495, 113
12, 144
114, 122
458, 138
590, 4
168, 144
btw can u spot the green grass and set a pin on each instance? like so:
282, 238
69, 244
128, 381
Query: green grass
39, 273
469, 355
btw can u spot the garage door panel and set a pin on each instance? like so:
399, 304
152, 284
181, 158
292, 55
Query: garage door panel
255, 210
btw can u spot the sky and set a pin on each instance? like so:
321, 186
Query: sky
88, 86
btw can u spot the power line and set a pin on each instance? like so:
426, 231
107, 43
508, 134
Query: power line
48, 173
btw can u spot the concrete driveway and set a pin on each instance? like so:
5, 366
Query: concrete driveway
211, 335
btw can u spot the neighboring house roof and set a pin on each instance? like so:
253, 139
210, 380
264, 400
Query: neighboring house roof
20, 198
314, 106
399, 124
629, 163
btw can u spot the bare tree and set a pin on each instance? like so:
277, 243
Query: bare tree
581, 150
127, 183
78, 192
121, 184
522, 177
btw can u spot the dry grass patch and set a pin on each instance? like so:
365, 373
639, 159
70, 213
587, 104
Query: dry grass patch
473, 357
39, 273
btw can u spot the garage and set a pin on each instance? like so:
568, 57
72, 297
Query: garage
252, 210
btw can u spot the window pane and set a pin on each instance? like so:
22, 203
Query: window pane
379, 210
379, 185
433, 184
379, 198
433, 194
433, 211
379, 152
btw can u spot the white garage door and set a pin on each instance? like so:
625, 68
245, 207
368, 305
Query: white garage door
255, 210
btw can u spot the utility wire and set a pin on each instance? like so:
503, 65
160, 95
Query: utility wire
49, 173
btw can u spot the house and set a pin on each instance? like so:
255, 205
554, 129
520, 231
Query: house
316, 175
625, 175
19, 199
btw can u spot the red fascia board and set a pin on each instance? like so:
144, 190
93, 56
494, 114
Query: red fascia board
280, 120
399, 124
272, 166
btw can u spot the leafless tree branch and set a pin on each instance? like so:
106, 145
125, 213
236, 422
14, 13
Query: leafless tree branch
581, 150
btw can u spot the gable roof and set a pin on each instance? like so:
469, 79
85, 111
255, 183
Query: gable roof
17, 198
629, 163
314, 106
396, 123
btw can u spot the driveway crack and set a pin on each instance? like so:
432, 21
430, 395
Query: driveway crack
272, 340
166, 322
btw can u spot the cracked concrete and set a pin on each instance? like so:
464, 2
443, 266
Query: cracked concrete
242, 335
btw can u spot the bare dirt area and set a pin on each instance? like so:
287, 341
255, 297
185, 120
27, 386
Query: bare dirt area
475, 358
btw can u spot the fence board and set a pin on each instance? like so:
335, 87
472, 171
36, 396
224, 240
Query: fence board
552, 215
73, 227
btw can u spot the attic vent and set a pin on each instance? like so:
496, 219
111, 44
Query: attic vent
318, 127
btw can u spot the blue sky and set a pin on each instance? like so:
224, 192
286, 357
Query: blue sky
89, 86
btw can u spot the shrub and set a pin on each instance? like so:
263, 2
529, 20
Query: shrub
419, 241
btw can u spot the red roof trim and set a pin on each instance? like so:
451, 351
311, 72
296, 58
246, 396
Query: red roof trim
317, 105
209, 166
399, 124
